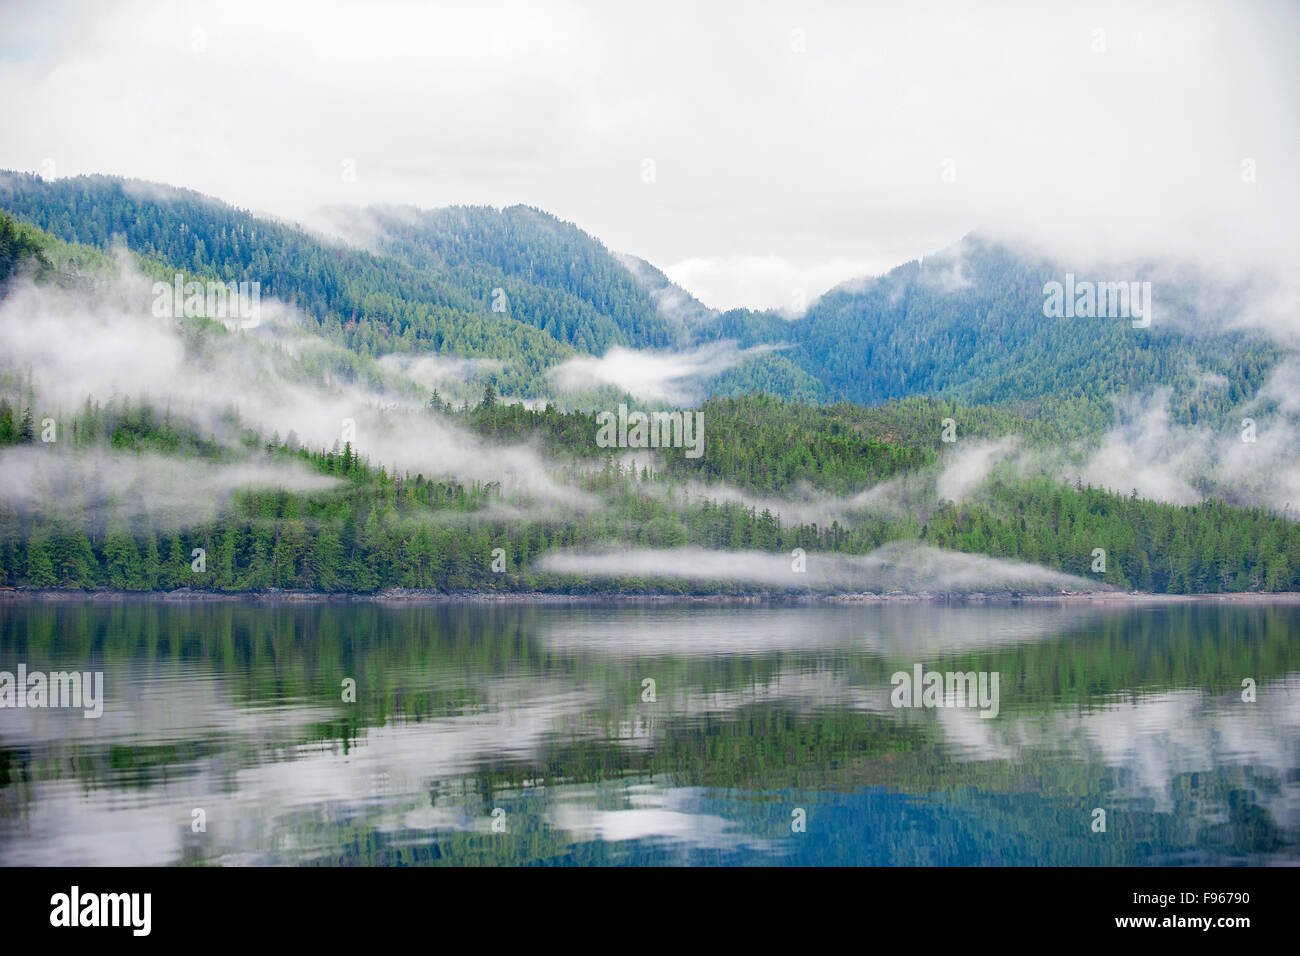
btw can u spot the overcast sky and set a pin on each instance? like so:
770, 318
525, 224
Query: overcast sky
749, 149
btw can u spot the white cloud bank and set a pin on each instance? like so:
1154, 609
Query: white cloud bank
814, 135
908, 567
55, 481
1161, 459
676, 378
768, 282
107, 343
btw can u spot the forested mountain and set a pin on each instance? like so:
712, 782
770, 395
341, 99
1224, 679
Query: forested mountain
386, 530
522, 287
20, 247
553, 275
886, 415
369, 303
969, 323
676, 304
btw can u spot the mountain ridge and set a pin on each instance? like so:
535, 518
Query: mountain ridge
518, 285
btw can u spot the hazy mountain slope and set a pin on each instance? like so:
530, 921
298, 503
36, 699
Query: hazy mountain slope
676, 305
21, 248
523, 288
969, 323
554, 275
770, 373
370, 303
516, 285
131, 442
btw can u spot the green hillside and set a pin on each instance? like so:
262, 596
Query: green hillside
851, 398
525, 288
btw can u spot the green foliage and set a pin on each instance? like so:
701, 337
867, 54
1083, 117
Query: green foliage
970, 325
525, 288
21, 247
410, 531
368, 303
967, 331
553, 275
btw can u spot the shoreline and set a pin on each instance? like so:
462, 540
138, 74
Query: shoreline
541, 598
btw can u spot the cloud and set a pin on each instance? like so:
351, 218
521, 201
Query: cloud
1249, 459
1146, 452
907, 494
158, 491
912, 495
107, 343
767, 282
1252, 461
969, 466
439, 371
767, 153
908, 567
676, 378
674, 303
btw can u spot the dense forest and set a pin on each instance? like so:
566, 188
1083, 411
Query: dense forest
411, 531
522, 287
851, 397
987, 340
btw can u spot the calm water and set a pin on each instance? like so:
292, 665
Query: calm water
537, 720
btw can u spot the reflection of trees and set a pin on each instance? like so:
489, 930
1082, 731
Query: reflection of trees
810, 723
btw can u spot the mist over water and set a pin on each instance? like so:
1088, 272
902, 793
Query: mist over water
675, 734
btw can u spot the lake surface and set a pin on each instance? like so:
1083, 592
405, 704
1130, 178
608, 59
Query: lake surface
530, 735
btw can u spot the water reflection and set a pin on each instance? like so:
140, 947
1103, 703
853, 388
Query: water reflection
546, 716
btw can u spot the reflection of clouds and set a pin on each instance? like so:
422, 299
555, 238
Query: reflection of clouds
1157, 738
404, 757
966, 737
248, 797
271, 797
63, 826
1151, 741
653, 813
435, 818
798, 689
696, 632
913, 629
158, 703
701, 830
